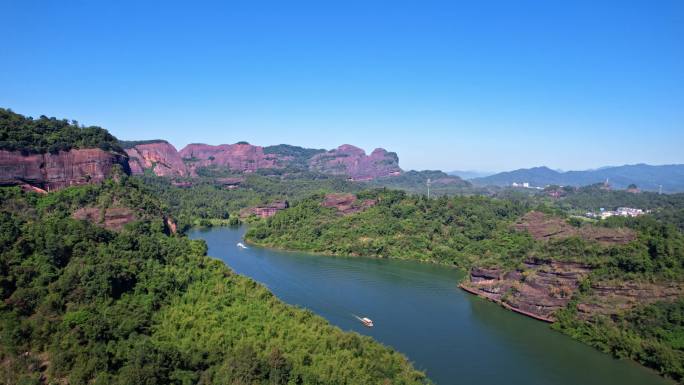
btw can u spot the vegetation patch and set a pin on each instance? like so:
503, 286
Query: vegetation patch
28, 135
80, 304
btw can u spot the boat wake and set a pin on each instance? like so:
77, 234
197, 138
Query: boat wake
364, 320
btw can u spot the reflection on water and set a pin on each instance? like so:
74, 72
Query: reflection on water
418, 309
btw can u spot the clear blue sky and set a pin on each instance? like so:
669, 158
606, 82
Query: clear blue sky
487, 85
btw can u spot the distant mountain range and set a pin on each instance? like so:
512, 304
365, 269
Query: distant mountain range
470, 174
646, 177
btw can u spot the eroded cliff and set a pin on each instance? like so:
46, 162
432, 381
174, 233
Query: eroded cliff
162, 157
241, 157
50, 171
353, 162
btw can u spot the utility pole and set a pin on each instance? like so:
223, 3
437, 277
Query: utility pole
428, 186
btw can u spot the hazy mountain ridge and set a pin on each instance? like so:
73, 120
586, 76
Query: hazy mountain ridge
470, 174
646, 177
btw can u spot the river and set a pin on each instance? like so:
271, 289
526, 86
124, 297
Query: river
456, 338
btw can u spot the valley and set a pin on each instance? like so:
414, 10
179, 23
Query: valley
118, 218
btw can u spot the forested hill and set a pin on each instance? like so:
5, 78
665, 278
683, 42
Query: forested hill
646, 177
617, 284
21, 133
97, 301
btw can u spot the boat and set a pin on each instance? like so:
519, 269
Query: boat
241, 245
365, 321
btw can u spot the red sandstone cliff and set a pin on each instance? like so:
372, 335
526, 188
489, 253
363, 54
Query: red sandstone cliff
346, 160
55, 171
162, 157
240, 157
353, 162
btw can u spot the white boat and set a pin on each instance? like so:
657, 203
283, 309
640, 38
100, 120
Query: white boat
365, 321
241, 245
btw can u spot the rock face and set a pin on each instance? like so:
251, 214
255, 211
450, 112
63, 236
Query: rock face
230, 183
347, 160
540, 291
114, 218
347, 203
353, 162
56, 171
266, 210
547, 286
241, 157
161, 157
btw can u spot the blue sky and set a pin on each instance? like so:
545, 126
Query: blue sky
487, 85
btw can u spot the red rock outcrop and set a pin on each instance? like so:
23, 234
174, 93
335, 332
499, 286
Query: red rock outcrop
229, 183
265, 211
538, 292
545, 287
354, 163
171, 225
162, 157
346, 203
33, 189
55, 171
114, 218
241, 157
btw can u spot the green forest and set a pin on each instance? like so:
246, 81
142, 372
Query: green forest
208, 202
463, 231
28, 135
85, 305
478, 231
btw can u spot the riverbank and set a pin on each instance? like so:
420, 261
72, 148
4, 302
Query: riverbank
418, 309
567, 293
354, 255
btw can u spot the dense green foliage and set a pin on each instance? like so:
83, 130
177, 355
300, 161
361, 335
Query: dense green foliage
652, 335
464, 231
593, 198
84, 305
665, 207
207, 199
20, 133
133, 143
445, 230
468, 231
415, 182
299, 155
